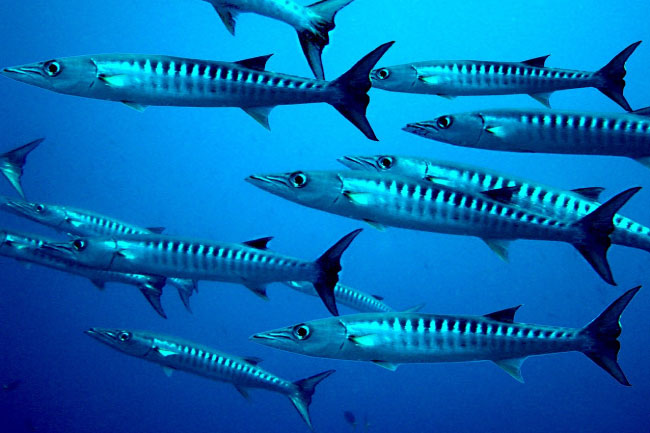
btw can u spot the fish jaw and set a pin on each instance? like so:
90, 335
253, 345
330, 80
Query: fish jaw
69, 75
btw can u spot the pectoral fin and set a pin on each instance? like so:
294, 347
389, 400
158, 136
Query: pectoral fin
512, 367
387, 365
363, 340
165, 353
228, 16
543, 98
126, 254
499, 246
497, 131
113, 80
439, 180
360, 198
260, 114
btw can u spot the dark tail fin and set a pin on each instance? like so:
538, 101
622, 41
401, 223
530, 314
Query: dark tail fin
602, 337
354, 85
597, 227
305, 388
329, 265
612, 75
153, 291
16, 159
313, 42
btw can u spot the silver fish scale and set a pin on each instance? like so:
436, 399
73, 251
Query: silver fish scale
219, 366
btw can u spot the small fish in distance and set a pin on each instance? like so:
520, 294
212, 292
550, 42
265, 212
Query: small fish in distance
244, 373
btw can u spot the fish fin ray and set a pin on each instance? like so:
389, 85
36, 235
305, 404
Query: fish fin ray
512, 366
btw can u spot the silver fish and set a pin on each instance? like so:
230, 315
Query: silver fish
242, 263
450, 78
544, 131
139, 80
81, 222
406, 202
390, 339
313, 23
526, 194
12, 163
244, 373
346, 295
26, 248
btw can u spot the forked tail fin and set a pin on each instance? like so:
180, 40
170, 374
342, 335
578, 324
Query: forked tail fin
15, 160
314, 40
329, 266
354, 85
613, 75
596, 227
305, 388
602, 337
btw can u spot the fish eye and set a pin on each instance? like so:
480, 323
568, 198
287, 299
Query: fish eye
383, 73
124, 336
52, 68
301, 332
79, 244
298, 179
39, 208
385, 162
445, 122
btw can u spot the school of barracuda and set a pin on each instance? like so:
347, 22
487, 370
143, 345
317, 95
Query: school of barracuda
415, 193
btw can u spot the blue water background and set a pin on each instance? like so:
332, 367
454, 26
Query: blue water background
183, 168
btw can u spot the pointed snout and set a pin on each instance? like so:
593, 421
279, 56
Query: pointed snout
354, 162
21, 73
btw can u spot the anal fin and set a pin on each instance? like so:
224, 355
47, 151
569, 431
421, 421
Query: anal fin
499, 247
645, 160
135, 106
387, 365
229, 17
167, 370
258, 290
512, 367
542, 98
260, 114
376, 225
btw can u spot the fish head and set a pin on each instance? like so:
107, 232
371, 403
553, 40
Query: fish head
322, 338
130, 342
463, 129
313, 189
393, 164
42, 213
71, 75
93, 252
400, 78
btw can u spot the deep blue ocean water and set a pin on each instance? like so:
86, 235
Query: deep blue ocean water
183, 168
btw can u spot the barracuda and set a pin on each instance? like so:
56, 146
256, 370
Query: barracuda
544, 131
313, 23
250, 264
528, 195
12, 163
450, 78
406, 202
140, 80
81, 222
389, 339
244, 373
26, 247
346, 295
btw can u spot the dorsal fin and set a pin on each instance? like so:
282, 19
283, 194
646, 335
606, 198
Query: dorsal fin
257, 63
156, 230
377, 297
503, 195
642, 111
260, 244
592, 193
507, 315
252, 360
538, 62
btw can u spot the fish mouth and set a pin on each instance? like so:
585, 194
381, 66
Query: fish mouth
272, 336
103, 335
269, 182
423, 129
21, 70
20, 207
353, 162
59, 248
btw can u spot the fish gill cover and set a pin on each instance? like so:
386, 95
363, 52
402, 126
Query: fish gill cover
183, 169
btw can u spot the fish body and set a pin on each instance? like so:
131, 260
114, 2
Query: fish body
524, 193
390, 339
140, 80
544, 131
12, 163
411, 203
471, 77
346, 295
313, 23
27, 248
81, 222
174, 354
252, 266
